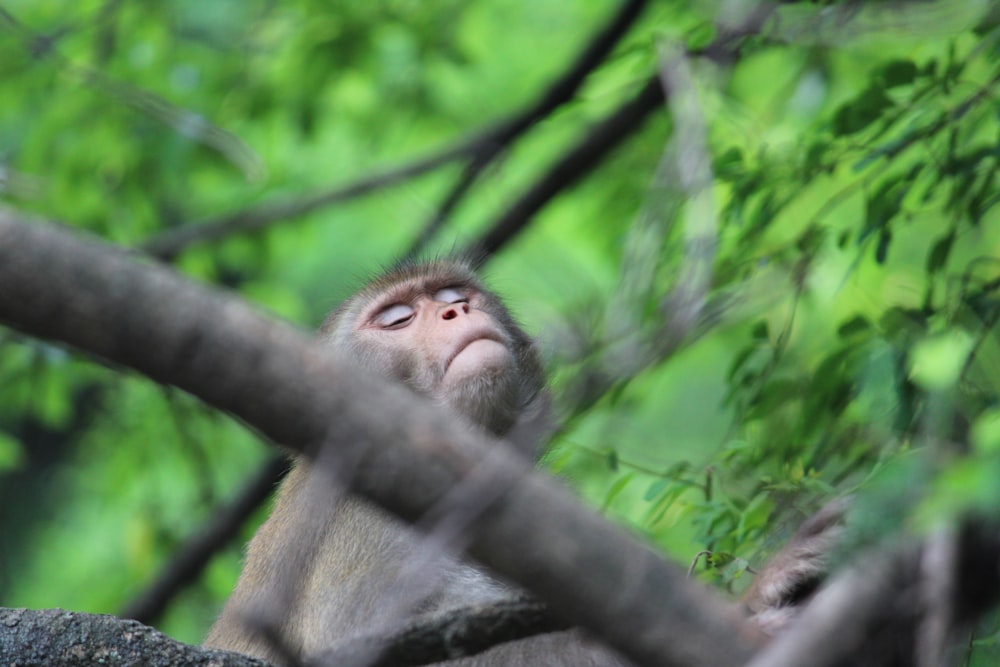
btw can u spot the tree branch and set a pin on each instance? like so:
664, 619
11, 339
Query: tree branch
167, 245
71, 639
560, 92
58, 286
600, 139
603, 137
456, 633
58, 638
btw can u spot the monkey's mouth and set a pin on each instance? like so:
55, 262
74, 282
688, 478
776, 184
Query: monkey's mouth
476, 352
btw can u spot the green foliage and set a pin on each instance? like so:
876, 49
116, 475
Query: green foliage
842, 330
11, 452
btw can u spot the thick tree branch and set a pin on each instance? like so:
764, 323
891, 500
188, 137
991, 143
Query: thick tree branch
69, 639
58, 638
451, 634
57, 286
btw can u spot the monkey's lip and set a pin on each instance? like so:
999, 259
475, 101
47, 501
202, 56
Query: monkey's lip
472, 337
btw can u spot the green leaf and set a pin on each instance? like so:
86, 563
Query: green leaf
729, 165
756, 514
760, 331
860, 112
900, 322
856, 325
939, 253
882, 249
655, 489
985, 432
936, 362
883, 205
701, 35
775, 394
740, 360
616, 488
898, 73
11, 452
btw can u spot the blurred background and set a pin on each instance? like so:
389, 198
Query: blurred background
774, 285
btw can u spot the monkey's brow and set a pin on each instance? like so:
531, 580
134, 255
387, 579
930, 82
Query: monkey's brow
410, 290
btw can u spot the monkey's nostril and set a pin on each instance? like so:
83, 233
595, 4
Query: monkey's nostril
449, 314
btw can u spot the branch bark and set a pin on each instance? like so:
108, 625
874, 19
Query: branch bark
58, 286
455, 633
58, 638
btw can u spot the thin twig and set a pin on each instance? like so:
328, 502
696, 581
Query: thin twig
560, 92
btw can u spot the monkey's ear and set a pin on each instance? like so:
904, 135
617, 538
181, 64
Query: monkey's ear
533, 427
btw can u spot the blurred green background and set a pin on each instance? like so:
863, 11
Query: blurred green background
847, 340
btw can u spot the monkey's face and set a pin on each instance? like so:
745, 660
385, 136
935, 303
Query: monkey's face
436, 340
439, 332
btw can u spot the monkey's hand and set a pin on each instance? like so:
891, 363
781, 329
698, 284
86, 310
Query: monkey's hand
783, 587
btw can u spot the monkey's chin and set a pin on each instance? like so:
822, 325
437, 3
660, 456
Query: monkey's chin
480, 356
482, 384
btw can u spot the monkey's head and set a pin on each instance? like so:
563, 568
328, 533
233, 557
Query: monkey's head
435, 328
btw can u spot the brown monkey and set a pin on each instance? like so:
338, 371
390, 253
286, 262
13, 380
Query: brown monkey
434, 328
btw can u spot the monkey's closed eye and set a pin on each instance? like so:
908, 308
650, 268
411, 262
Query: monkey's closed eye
451, 295
395, 315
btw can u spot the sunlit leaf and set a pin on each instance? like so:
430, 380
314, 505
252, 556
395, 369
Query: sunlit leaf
937, 361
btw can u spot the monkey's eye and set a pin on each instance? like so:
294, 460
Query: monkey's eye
395, 315
451, 295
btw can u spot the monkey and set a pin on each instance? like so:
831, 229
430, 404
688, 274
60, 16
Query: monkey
433, 327
788, 581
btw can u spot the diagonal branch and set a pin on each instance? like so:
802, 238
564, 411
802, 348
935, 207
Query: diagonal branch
167, 245
57, 286
603, 137
573, 165
560, 92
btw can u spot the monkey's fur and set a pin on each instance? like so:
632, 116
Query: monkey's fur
331, 572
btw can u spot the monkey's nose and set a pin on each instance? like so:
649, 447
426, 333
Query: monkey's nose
451, 312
